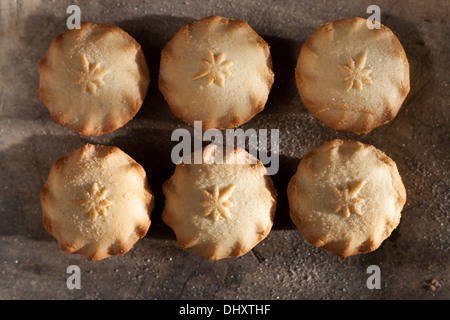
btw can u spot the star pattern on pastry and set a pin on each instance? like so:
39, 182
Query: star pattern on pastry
91, 75
216, 203
347, 200
355, 75
216, 69
95, 201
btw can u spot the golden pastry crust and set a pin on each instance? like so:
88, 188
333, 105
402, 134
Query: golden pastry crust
93, 80
346, 197
353, 78
220, 210
216, 70
97, 202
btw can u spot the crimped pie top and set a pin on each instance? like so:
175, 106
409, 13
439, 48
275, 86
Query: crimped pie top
220, 210
351, 77
97, 202
93, 80
216, 70
346, 197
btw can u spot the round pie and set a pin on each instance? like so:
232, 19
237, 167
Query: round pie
216, 70
346, 197
353, 78
220, 209
97, 202
93, 80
